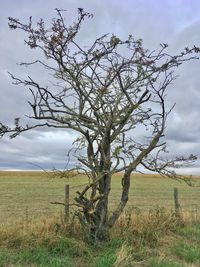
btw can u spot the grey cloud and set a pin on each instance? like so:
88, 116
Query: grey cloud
173, 22
183, 128
40, 148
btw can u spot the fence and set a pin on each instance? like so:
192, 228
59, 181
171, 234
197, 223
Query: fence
174, 199
66, 203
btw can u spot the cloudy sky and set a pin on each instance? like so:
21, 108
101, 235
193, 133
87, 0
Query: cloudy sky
176, 22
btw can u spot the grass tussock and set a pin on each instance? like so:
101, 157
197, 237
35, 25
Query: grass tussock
155, 238
123, 256
21, 234
146, 228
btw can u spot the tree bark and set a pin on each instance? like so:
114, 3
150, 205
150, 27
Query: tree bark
124, 198
100, 232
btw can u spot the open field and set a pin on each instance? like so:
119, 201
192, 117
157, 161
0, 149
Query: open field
29, 234
29, 194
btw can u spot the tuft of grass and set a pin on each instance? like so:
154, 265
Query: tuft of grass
145, 228
43, 242
108, 253
123, 256
36, 257
59, 252
156, 262
20, 234
188, 252
16, 235
6, 258
107, 259
191, 232
71, 246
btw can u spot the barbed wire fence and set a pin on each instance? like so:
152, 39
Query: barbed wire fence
65, 207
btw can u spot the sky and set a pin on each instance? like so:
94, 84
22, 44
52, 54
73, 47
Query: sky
175, 22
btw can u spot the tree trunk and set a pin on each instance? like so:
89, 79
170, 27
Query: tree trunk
103, 223
100, 229
124, 198
101, 218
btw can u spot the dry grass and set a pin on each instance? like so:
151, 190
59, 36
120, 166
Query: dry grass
124, 257
20, 234
147, 227
137, 238
137, 227
28, 194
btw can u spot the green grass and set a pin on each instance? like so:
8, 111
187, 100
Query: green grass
164, 263
108, 254
63, 251
126, 248
191, 232
188, 252
35, 257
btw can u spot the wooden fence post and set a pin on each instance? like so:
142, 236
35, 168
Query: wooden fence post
66, 213
176, 202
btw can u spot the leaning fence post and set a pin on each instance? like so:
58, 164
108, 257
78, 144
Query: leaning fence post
66, 214
176, 202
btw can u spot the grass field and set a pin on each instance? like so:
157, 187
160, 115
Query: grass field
150, 237
145, 239
30, 193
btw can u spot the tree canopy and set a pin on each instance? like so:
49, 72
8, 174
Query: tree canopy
113, 93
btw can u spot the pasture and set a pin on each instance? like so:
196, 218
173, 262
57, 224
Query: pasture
29, 194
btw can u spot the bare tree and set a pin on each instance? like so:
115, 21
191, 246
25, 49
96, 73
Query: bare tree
113, 93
